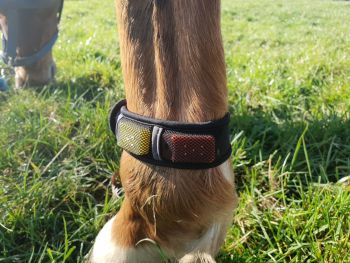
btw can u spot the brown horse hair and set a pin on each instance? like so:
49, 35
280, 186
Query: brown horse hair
174, 69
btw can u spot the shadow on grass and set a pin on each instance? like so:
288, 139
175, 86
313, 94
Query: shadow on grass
90, 88
318, 147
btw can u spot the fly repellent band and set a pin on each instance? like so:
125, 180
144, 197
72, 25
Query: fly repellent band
170, 143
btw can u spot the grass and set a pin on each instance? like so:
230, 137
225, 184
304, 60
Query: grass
288, 65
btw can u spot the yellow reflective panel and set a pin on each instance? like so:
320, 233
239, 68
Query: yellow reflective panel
134, 137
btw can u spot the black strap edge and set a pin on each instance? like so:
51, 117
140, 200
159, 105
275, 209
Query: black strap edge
183, 166
114, 113
120, 108
174, 125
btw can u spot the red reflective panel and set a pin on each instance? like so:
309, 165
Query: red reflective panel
191, 148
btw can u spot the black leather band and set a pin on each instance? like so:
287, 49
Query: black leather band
219, 129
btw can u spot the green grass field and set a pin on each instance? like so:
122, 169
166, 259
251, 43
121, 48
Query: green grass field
288, 65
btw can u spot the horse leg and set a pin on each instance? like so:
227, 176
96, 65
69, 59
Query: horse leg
205, 249
122, 240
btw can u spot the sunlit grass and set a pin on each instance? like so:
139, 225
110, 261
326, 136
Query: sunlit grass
288, 65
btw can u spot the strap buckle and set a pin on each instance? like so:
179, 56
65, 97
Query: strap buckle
156, 138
